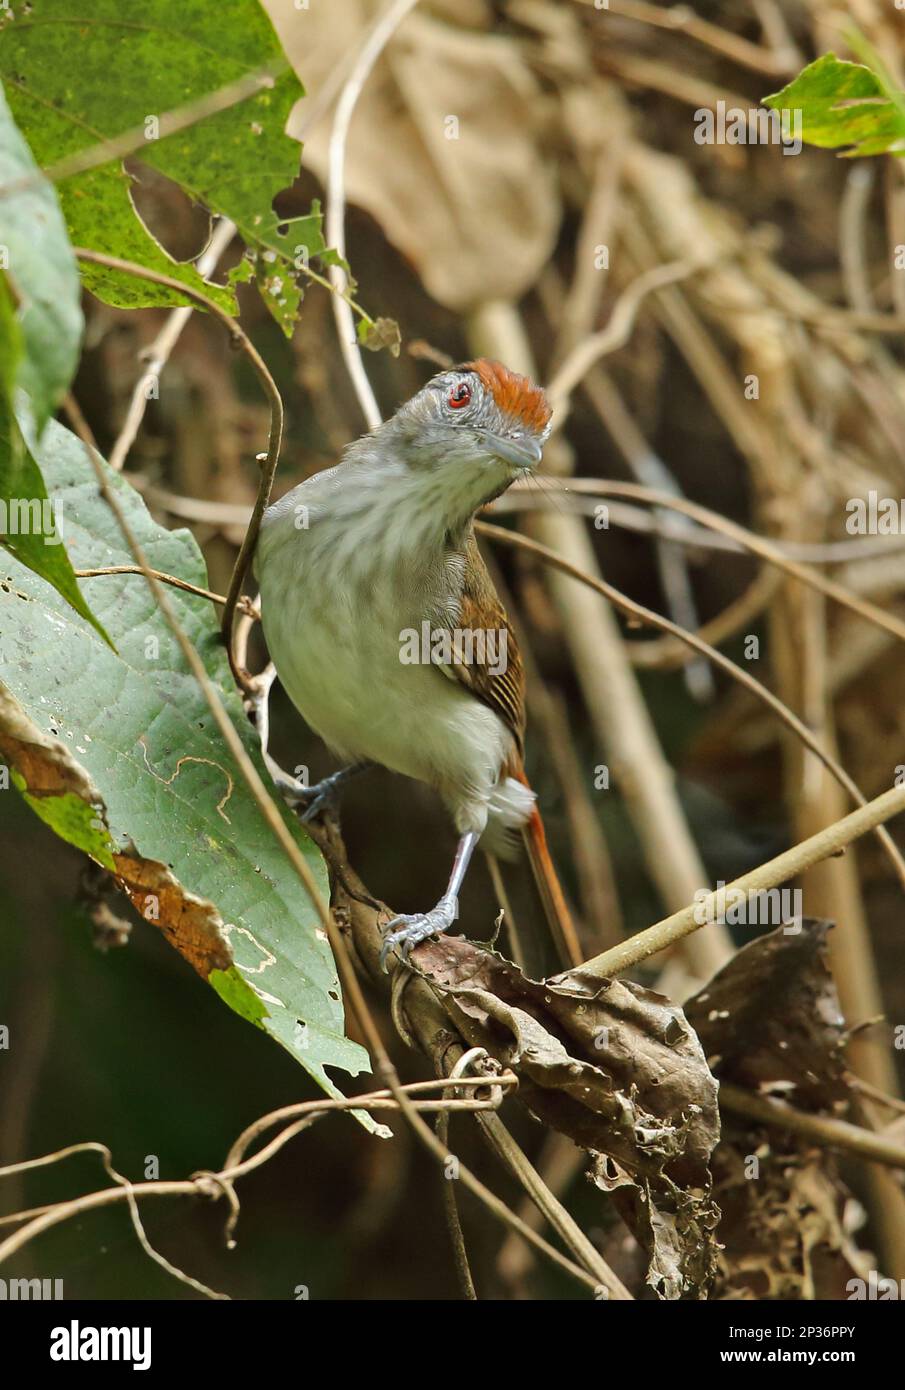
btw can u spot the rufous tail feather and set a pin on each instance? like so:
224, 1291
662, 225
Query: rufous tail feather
549, 887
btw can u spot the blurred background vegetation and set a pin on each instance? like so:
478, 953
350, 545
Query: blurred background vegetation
575, 130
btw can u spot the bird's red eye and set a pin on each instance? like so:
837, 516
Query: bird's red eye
459, 395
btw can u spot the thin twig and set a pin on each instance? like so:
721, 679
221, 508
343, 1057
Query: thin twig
268, 468
774, 872
876, 1094
665, 653
748, 540
158, 352
620, 714
170, 579
450, 1203
525, 497
454, 1222
241, 1145
837, 1134
617, 332
638, 612
552, 1208
216, 1184
335, 213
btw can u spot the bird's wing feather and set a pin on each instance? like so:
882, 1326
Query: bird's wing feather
499, 678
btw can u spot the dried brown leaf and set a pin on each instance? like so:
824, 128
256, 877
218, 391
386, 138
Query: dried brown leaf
452, 169
770, 1021
619, 1070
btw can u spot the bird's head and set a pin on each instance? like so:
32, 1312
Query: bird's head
478, 422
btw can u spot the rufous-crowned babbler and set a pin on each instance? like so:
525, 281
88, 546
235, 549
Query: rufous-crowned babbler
357, 558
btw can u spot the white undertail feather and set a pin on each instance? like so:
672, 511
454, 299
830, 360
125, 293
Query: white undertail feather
510, 807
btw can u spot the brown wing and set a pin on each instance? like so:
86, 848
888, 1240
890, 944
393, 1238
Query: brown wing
491, 664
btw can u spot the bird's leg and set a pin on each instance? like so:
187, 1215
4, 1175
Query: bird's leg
420, 925
324, 795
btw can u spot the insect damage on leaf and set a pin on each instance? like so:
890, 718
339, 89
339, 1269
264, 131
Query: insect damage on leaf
619, 1070
770, 1022
219, 886
63, 795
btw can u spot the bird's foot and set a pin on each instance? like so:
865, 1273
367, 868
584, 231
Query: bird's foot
312, 802
417, 927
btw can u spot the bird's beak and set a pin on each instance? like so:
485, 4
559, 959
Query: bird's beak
521, 453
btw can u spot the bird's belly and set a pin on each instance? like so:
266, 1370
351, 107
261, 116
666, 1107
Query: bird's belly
341, 665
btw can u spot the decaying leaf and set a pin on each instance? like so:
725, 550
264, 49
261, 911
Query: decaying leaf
617, 1068
770, 1022
453, 170
60, 791
789, 1222
770, 1019
382, 333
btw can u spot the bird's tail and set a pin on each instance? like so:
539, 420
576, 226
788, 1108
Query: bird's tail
549, 887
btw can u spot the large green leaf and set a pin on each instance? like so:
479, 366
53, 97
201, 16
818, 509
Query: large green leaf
31, 524
29, 527
129, 734
40, 335
79, 71
844, 104
43, 272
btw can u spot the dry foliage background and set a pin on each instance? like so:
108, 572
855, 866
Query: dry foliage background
575, 132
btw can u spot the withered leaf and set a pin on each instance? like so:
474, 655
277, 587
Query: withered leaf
453, 170
771, 1018
788, 1226
770, 1021
619, 1070
382, 333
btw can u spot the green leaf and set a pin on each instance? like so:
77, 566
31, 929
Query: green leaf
75, 822
43, 271
100, 215
844, 104
29, 524
78, 72
285, 245
184, 831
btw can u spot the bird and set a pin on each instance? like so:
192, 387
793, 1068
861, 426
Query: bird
387, 632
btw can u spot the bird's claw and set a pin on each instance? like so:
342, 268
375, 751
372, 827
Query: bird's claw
311, 802
326, 800
417, 927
